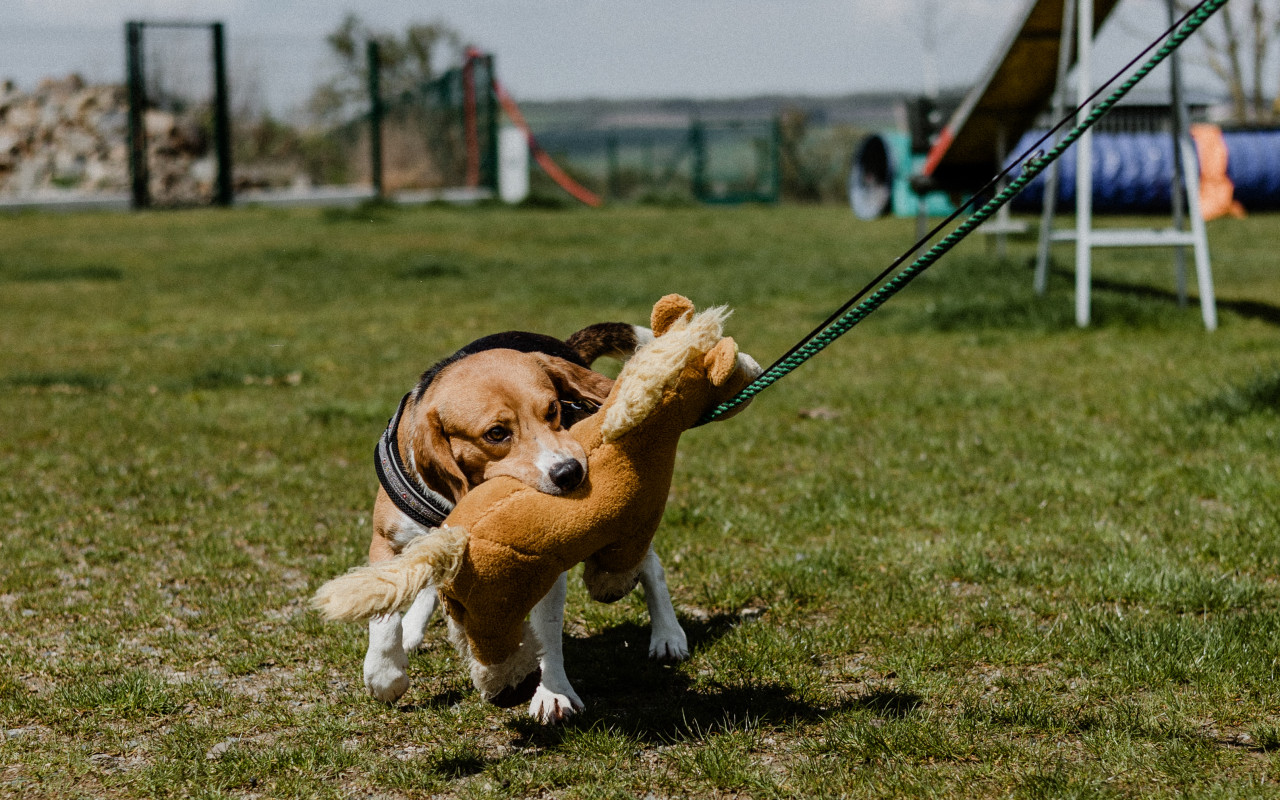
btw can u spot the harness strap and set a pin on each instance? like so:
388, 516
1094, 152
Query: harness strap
422, 505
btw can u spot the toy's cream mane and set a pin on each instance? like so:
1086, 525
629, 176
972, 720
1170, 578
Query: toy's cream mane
655, 367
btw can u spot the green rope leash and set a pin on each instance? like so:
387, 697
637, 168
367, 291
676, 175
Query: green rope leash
1033, 166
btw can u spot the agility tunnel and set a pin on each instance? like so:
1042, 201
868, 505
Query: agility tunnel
1132, 173
880, 179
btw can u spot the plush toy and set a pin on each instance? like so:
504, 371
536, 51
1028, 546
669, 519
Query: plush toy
505, 543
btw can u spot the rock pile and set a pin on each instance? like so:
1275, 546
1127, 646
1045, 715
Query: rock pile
63, 135
67, 135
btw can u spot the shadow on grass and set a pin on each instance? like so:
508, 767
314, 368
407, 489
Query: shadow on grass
428, 269
61, 274
72, 381
445, 699
1249, 309
1259, 394
979, 294
888, 702
658, 703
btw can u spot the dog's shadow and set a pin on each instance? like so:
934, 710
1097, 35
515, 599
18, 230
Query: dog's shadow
659, 703
443, 699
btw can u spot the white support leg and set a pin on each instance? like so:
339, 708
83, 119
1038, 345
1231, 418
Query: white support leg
1204, 276
1084, 164
1049, 205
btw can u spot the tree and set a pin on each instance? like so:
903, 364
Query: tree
1238, 46
405, 62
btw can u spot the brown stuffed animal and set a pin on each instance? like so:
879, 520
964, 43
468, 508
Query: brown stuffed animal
505, 544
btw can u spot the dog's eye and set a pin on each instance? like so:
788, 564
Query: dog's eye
553, 411
497, 434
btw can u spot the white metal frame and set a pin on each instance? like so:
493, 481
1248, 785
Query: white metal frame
1186, 184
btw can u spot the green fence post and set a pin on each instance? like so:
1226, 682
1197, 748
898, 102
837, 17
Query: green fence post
489, 161
140, 196
775, 161
611, 158
375, 117
698, 144
223, 195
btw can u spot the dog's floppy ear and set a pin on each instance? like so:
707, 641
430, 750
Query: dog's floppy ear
573, 382
667, 311
434, 457
721, 361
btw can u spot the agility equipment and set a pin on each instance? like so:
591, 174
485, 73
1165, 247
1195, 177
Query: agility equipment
1018, 82
880, 180
1184, 185
1133, 172
1032, 163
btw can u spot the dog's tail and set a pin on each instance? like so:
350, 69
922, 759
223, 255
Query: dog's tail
613, 339
392, 585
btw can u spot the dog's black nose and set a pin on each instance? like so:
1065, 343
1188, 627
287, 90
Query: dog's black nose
567, 475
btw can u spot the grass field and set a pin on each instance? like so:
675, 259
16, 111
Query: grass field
969, 551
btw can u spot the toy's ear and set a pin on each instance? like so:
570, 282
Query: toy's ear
435, 458
667, 310
573, 382
721, 361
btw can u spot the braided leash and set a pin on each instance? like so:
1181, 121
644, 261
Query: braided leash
1033, 165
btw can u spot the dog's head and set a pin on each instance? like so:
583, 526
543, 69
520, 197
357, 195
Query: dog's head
501, 412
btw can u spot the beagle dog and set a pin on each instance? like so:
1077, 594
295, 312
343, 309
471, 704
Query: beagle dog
502, 405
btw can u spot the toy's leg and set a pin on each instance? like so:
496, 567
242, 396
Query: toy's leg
416, 618
385, 664
555, 699
609, 587
667, 640
508, 683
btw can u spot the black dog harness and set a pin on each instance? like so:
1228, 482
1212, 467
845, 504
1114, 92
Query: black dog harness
420, 504
424, 506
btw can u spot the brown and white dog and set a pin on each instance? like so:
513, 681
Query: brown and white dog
502, 405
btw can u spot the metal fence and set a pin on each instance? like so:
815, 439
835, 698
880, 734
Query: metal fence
184, 124
179, 118
438, 137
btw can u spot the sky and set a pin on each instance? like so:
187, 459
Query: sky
573, 49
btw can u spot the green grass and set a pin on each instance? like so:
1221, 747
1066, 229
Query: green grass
968, 551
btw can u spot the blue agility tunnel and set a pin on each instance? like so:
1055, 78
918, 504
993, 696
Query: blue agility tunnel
1253, 165
1133, 172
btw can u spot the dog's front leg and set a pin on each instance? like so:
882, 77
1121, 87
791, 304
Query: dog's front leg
667, 640
416, 618
385, 664
555, 699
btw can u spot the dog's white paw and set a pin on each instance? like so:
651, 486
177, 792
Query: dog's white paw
670, 645
386, 677
547, 707
412, 641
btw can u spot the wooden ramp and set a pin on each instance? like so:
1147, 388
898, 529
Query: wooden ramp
1005, 102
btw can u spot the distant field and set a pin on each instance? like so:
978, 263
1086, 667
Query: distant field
968, 551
